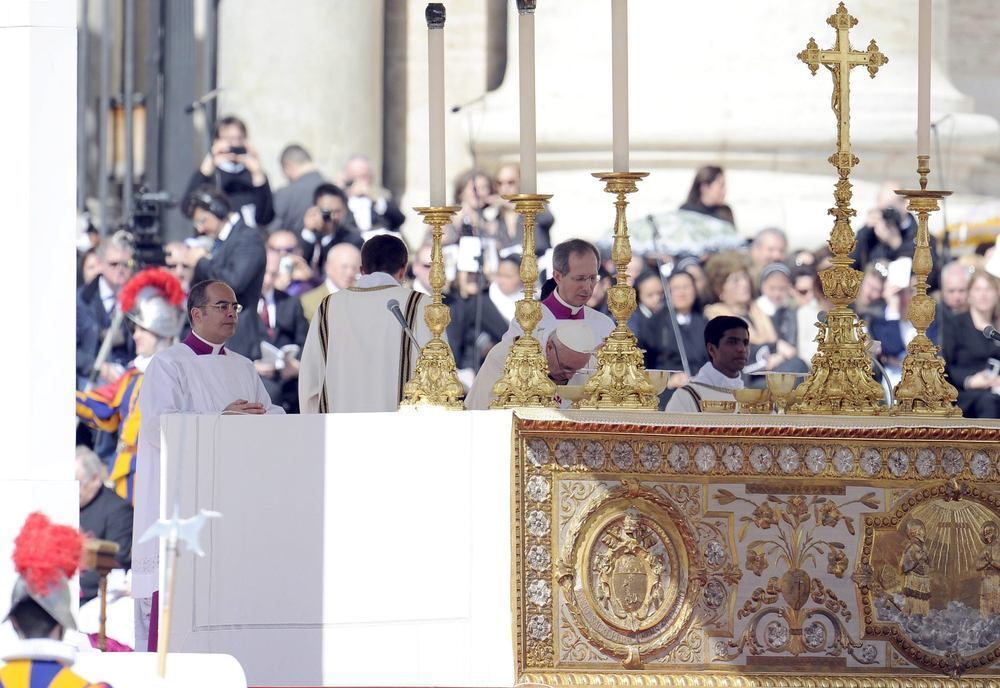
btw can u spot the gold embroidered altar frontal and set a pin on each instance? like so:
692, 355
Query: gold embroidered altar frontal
731, 550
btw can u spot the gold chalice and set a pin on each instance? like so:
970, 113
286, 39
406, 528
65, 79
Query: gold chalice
659, 379
782, 389
753, 400
571, 393
717, 406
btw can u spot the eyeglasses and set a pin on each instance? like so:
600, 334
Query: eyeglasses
121, 264
225, 307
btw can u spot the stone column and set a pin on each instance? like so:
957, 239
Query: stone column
720, 84
304, 72
37, 175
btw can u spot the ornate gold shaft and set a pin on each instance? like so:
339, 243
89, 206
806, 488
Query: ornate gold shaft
435, 381
923, 389
620, 380
525, 380
841, 381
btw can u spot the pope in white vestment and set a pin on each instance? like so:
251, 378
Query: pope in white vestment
727, 340
357, 357
197, 375
567, 349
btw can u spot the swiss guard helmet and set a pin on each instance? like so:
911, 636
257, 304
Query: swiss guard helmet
153, 300
46, 556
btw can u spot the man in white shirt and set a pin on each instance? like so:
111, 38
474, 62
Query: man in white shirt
727, 340
197, 375
357, 357
567, 348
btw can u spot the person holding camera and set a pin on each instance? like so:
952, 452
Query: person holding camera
238, 257
372, 208
233, 167
891, 233
327, 223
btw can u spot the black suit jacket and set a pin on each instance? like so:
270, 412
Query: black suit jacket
90, 310
240, 191
239, 262
106, 517
656, 336
469, 344
290, 326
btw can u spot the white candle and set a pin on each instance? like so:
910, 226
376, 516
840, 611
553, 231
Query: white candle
924, 79
526, 83
619, 83
435, 98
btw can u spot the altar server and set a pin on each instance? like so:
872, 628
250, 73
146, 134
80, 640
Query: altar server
567, 349
197, 375
357, 356
46, 556
727, 340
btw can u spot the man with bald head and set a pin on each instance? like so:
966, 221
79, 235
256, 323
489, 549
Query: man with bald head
343, 263
955, 287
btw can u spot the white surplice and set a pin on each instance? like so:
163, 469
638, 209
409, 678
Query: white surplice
179, 381
368, 357
708, 383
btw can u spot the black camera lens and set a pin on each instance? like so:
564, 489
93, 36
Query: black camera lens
326, 215
892, 215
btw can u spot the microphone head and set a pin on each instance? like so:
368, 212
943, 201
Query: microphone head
392, 305
990, 332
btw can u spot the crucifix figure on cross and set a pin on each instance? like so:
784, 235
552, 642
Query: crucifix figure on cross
839, 61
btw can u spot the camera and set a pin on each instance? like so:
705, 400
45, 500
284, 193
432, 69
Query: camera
892, 216
238, 150
327, 215
286, 264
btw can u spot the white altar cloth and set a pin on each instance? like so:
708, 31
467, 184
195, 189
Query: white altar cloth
354, 549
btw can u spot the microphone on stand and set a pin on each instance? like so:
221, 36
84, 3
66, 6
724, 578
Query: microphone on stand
203, 101
462, 106
393, 307
990, 332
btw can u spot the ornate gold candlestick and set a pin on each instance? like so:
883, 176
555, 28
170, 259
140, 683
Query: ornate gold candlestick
841, 381
620, 381
923, 389
525, 380
435, 380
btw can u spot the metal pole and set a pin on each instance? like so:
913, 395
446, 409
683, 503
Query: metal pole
209, 74
128, 69
82, 81
103, 104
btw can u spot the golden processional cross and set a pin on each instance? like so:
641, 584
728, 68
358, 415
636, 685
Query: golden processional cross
841, 380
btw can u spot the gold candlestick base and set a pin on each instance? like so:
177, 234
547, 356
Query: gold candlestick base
435, 381
923, 389
620, 381
525, 380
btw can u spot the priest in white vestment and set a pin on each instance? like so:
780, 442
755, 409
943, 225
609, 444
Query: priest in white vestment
727, 340
357, 356
567, 348
197, 375
574, 269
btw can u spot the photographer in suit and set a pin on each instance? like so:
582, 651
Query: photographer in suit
238, 258
891, 233
327, 223
233, 168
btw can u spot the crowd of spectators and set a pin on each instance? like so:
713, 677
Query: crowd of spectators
283, 251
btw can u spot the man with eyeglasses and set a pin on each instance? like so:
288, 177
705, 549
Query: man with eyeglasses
575, 271
567, 348
96, 302
197, 375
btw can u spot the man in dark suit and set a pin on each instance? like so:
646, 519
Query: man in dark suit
292, 201
285, 326
238, 258
103, 515
327, 223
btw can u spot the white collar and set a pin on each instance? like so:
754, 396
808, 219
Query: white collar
376, 279
215, 347
710, 375
507, 305
42, 649
572, 309
683, 318
104, 289
227, 228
